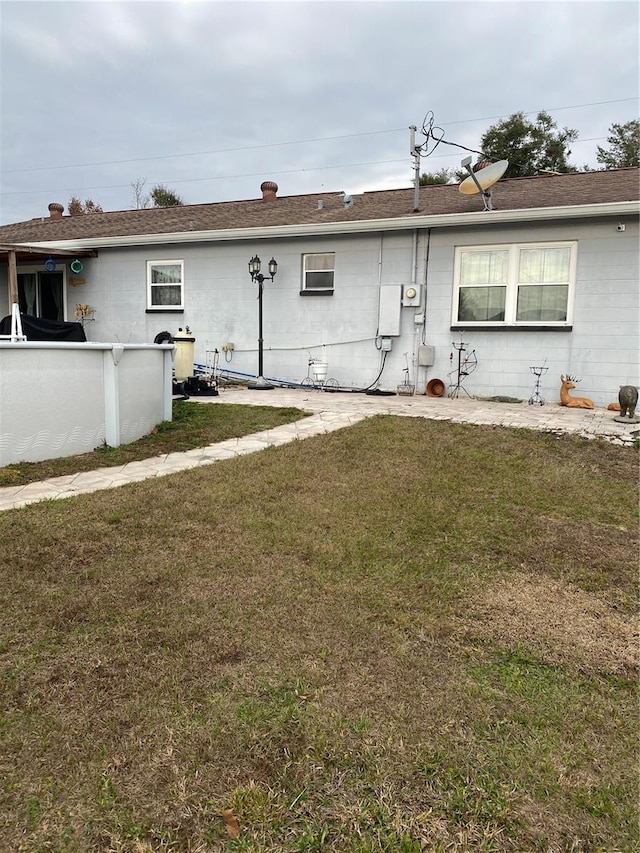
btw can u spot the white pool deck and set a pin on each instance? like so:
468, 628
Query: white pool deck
329, 411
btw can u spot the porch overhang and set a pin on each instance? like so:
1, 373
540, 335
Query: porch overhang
14, 253
24, 253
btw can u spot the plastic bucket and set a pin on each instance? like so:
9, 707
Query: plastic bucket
320, 369
435, 388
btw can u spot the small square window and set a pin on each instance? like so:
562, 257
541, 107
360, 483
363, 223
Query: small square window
318, 272
165, 285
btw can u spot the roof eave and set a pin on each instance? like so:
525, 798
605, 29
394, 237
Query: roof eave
403, 223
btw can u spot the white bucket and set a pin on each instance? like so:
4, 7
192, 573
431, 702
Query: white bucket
320, 369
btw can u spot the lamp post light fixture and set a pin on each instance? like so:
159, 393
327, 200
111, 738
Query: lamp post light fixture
254, 271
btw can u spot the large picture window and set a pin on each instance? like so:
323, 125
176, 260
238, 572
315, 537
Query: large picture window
527, 284
165, 285
317, 273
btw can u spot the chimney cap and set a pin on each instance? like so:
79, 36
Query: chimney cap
269, 190
56, 210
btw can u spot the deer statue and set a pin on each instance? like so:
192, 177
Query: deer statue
569, 382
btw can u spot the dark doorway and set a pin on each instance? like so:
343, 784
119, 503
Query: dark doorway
41, 294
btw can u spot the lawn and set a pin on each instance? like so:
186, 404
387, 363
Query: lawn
193, 425
402, 636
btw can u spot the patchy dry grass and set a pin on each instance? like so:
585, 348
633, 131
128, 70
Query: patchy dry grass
402, 636
193, 425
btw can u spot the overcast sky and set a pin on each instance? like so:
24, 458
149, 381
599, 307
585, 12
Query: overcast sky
212, 98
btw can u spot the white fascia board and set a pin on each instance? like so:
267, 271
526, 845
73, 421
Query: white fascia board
360, 226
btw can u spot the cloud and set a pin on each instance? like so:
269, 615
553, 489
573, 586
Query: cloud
138, 80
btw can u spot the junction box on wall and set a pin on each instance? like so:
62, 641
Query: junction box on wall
389, 310
426, 356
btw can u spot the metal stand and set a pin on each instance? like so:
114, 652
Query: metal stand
467, 363
536, 398
213, 367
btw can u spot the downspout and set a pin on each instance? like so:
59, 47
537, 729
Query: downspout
414, 258
426, 272
423, 331
416, 327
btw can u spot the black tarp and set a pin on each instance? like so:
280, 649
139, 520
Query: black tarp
37, 329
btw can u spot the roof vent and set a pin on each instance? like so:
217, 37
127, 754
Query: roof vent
56, 210
320, 204
347, 200
269, 190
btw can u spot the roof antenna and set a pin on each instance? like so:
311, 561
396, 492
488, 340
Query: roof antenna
433, 137
414, 150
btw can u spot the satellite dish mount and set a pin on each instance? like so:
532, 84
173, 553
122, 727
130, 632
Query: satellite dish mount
482, 180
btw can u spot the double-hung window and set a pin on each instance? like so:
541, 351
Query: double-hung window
528, 284
318, 271
165, 285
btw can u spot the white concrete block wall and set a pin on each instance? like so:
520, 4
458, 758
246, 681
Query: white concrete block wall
601, 349
221, 304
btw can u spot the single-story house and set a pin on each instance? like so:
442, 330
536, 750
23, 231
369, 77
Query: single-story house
386, 287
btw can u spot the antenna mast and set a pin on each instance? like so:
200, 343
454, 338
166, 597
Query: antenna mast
415, 154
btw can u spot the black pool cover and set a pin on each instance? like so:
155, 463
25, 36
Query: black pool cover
37, 329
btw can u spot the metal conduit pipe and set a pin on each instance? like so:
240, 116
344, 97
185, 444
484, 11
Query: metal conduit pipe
286, 383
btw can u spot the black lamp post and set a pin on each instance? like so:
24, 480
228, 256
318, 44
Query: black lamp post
254, 270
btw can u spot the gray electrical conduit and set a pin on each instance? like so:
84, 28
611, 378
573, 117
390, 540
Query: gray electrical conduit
286, 383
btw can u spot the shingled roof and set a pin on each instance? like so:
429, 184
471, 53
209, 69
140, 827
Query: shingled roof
544, 191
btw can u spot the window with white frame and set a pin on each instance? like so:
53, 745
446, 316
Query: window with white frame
165, 285
318, 272
529, 284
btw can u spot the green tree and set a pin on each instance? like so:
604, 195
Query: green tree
529, 146
624, 146
164, 197
442, 176
77, 207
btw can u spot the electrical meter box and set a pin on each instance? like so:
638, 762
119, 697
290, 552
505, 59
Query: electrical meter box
411, 295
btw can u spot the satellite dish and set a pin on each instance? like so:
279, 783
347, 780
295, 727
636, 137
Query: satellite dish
484, 178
